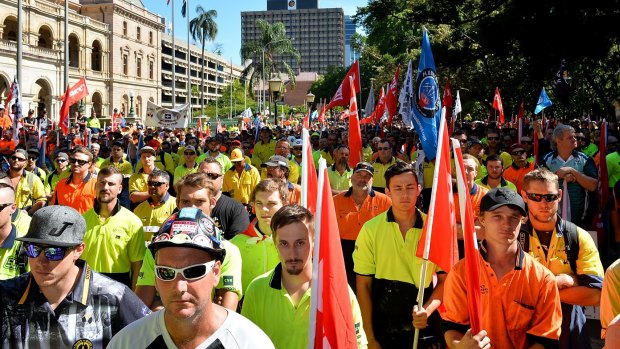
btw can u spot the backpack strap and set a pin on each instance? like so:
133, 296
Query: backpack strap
571, 242
524, 236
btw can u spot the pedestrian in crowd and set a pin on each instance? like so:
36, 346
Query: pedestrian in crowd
61, 165
214, 151
340, 173
78, 190
31, 165
520, 165
279, 302
188, 255
12, 258
29, 190
158, 207
494, 178
263, 149
241, 179
138, 182
278, 168
62, 302
519, 297
189, 164
384, 160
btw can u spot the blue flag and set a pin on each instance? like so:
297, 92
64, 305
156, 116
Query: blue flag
426, 100
543, 102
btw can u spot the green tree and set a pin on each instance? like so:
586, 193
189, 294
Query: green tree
203, 28
271, 44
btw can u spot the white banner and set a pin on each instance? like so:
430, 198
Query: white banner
157, 116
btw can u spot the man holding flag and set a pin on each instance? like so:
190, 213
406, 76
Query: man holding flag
520, 301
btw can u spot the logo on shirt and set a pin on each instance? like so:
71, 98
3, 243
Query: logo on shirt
83, 344
484, 289
228, 280
10, 264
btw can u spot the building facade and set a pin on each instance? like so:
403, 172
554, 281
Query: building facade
318, 35
273, 5
349, 29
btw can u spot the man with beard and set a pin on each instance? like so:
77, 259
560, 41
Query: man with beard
279, 302
355, 207
77, 191
29, 191
340, 173
494, 147
114, 235
159, 206
494, 178
566, 250
213, 151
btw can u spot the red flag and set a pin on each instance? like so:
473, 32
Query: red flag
602, 185
322, 114
74, 94
439, 235
380, 108
355, 133
474, 304
521, 112
199, 129
309, 182
391, 99
447, 102
331, 316
344, 90
7, 109
306, 122
497, 104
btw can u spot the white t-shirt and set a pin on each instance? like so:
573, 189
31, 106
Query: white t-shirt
236, 332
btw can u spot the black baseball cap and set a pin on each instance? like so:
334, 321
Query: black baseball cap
499, 197
364, 166
60, 226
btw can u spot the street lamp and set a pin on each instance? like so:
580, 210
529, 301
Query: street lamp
274, 87
309, 100
131, 111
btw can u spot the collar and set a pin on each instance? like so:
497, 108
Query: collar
474, 189
276, 278
290, 185
574, 154
79, 294
350, 192
86, 179
163, 200
117, 207
419, 221
347, 168
252, 230
518, 260
119, 162
514, 165
378, 160
10, 240
195, 165
485, 181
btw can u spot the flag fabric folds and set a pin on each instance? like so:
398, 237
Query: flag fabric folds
183, 8
427, 103
497, 105
380, 108
543, 102
199, 129
308, 174
370, 103
561, 88
355, 133
331, 317
73, 95
341, 98
391, 100
474, 304
447, 101
406, 94
439, 234
16, 96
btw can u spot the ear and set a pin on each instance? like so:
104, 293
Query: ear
560, 194
387, 192
78, 252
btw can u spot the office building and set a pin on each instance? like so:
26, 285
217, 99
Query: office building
273, 5
349, 53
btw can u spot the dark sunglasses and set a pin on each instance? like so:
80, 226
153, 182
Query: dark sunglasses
52, 254
61, 160
213, 176
189, 153
78, 161
193, 272
33, 158
493, 138
518, 152
297, 148
3, 206
155, 184
383, 148
540, 197
16, 158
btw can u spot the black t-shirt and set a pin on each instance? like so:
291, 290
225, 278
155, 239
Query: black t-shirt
231, 215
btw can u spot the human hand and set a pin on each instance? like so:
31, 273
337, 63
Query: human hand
478, 341
420, 318
373, 344
564, 281
563, 171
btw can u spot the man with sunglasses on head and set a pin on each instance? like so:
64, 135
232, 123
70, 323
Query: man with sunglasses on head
566, 250
78, 190
62, 302
114, 235
29, 190
188, 256
231, 217
159, 206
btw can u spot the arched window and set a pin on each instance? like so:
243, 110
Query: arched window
45, 38
96, 56
10, 29
74, 51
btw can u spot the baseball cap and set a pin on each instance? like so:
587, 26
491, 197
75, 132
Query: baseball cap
298, 143
499, 197
315, 134
21, 151
516, 146
148, 149
291, 139
56, 225
236, 155
62, 155
235, 143
190, 227
33, 151
189, 147
364, 166
473, 141
276, 160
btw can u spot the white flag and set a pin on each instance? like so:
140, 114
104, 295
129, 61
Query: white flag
457, 105
406, 94
370, 103
17, 102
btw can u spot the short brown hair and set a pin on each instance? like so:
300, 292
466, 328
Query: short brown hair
471, 157
542, 175
290, 214
83, 150
195, 180
271, 185
110, 171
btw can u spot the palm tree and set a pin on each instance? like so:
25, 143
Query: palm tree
273, 42
203, 28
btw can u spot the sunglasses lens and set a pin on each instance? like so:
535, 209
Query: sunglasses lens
55, 253
195, 272
166, 274
33, 251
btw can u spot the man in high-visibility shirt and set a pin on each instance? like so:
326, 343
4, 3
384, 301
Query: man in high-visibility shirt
264, 149
160, 205
29, 190
241, 179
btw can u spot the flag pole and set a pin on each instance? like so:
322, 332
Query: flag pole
429, 222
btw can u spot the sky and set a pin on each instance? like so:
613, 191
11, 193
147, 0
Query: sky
229, 18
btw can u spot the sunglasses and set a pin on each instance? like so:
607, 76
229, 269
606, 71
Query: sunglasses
193, 272
298, 148
52, 254
61, 160
155, 184
518, 152
213, 176
78, 162
16, 158
189, 153
540, 197
3, 206
32, 158
383, 148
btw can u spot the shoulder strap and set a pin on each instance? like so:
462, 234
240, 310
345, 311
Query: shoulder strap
524, 236
162, 156
571, 242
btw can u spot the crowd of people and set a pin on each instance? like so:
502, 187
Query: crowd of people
143, 237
